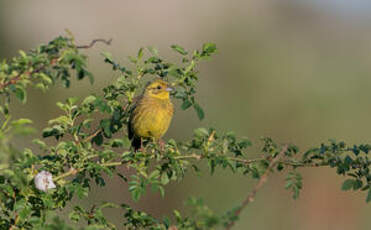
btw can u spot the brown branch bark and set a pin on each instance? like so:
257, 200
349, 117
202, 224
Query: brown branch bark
92, 43
18, 77
263, 179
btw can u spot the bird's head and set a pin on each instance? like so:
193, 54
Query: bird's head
158, 89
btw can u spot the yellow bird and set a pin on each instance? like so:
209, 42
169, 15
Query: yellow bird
152, 113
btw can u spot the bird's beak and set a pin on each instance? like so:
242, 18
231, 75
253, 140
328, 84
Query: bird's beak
169, 89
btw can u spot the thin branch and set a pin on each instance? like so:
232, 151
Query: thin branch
70, 172
15, 221
91, 136
263, 179
92, 43
118, 163
303, 164
250, 161
74, 171
198, 157
28, 73
53, 62
191, 156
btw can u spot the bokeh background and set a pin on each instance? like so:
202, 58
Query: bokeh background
298, 71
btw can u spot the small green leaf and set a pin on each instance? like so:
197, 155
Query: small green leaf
98, 139
199, 111
132, 59
201, 132
74, 216
152, 50
179, 49
89, 99
209, 48
186, 104
347, 185
161, 190
106, 125
22, 121
90, 76
140, 53
154, 175
154, 60
368, 199
107, 56
46, 78
22, 53
164, 179
72, 100
177, 215
20, 93
357, 184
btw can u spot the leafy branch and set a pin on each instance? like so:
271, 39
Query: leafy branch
91, 144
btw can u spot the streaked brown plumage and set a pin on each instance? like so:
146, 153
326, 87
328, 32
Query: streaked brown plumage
152, 113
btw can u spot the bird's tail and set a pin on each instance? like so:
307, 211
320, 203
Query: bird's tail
136, 143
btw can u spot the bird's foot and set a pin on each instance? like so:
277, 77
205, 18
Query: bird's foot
162, 145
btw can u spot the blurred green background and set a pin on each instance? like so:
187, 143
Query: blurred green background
298, 71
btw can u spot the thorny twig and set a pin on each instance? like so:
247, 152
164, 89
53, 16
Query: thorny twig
263, 179
92, 43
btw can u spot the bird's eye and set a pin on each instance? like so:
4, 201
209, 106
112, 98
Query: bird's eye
159, 87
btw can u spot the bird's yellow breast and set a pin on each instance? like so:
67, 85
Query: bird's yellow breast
151, 117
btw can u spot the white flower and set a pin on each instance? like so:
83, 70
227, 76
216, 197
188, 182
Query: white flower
44, 181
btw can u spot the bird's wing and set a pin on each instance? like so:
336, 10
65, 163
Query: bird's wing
130, 128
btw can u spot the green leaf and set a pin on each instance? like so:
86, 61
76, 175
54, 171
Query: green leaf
74, 216
89, 99
368, 199
177, 215
152, 50
90, 76
201, 132
209, 48
123, 177
347, 185
21, 94
81, 191
140, 53
98, 139
154, 60
164, 179
132, 59
106, 125
46, 78
62, 120
161, 190
24, 212
199, 111
126, 142
179, 49
154, 175
107, 56
72, 100
357, 184
56, 131
22, 121
186, 104
22, 53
